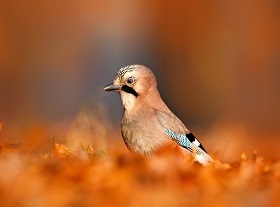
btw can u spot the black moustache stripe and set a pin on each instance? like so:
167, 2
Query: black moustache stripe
130, 90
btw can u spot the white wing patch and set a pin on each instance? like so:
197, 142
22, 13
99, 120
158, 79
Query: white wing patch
196, 142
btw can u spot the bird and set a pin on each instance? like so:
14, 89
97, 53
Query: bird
147, 123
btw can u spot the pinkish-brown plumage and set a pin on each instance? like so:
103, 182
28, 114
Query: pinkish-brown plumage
147, 123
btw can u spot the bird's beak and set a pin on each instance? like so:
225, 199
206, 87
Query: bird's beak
112, 87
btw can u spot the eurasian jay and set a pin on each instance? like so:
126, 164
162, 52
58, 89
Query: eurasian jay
147, 123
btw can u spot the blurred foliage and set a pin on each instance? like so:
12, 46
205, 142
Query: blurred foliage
214, 60
65, 177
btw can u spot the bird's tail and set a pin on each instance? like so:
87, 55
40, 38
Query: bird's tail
200, 155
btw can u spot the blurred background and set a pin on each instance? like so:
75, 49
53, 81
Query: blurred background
217, 64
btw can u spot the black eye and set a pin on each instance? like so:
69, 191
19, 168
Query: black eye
130, 80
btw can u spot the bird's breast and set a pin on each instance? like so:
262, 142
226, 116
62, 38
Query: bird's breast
142, 134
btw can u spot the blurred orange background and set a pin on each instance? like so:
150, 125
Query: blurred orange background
217, 65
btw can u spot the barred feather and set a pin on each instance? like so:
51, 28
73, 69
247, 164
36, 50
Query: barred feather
192, 145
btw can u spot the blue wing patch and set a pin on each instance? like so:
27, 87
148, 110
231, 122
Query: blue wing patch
181, 139
189, 142
184, 140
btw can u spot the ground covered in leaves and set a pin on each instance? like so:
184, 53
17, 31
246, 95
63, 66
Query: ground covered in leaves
65, 177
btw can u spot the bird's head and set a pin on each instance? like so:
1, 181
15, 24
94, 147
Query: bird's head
133, 82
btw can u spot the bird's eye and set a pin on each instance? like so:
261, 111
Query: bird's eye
130, 80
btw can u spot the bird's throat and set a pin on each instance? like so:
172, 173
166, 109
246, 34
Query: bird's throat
128, 101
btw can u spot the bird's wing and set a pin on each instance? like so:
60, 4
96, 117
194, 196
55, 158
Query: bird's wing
167, 120
189, 142
176, 130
